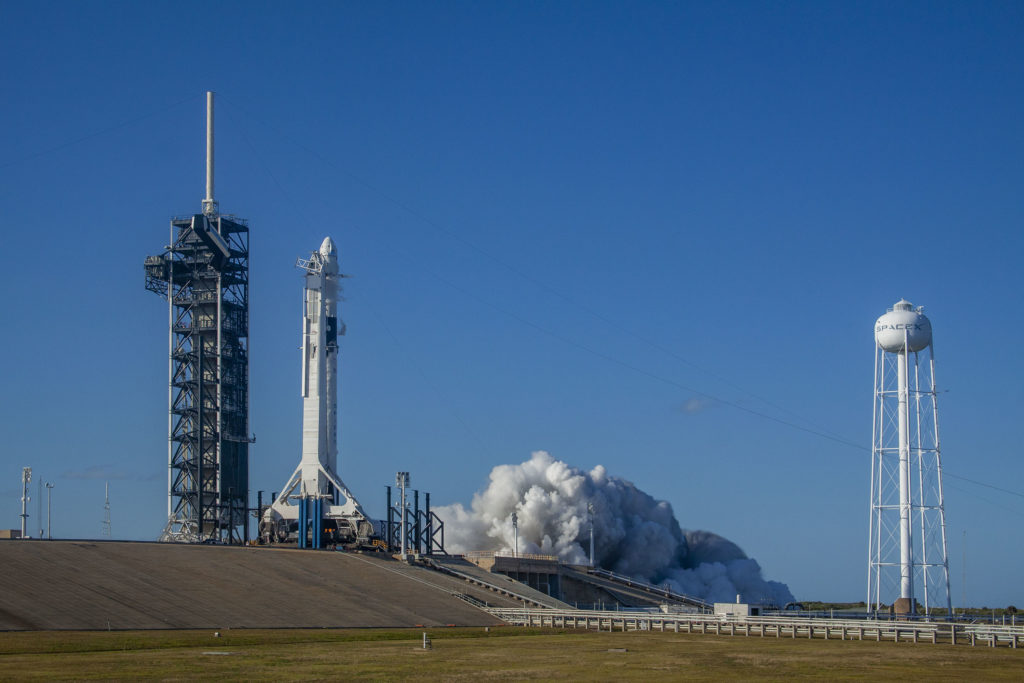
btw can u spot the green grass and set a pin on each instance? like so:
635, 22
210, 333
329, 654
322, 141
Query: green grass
474, 654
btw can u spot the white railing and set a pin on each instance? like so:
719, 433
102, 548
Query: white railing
511, 592
488, 554
643, 585
769, 627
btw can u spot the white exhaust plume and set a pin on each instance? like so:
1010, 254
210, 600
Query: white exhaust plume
634, 534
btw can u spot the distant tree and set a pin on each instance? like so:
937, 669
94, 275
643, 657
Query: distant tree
1011, 609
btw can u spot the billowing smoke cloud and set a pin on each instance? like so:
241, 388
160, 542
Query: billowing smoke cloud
634, 534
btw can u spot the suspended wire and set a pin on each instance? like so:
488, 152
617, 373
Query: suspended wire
551, 290
629, 366
987, 500
565, 340
430, 385
426, 380
568, 341
295, 206
981, 483
946, 473
98, 133
516, 271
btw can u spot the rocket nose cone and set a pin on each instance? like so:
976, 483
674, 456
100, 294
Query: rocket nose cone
327, 249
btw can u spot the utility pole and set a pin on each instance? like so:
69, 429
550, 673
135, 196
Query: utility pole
39, 506
590, 510
49, 510
402, 481
515, 535
963, 580
26, 477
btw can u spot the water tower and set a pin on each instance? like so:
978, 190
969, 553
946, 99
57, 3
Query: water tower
908, 564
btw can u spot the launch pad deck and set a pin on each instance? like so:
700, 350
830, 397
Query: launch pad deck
92, 585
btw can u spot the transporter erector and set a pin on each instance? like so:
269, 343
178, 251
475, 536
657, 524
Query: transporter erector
315, 508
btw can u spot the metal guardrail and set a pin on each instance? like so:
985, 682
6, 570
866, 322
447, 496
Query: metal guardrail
471, 600
461, 596
480, 582
643, 585
486, 554
768, 627
604, 573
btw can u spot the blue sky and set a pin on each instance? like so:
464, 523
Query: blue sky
567, 223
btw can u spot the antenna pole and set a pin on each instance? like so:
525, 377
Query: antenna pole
26, 477
590, 509
209, 204
515, 535
106, 511
402, 481
49, 510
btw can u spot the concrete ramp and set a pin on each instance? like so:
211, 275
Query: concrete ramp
476, 594
498, 582
53, 585
631, 592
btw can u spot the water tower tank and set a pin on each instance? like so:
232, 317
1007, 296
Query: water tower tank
902, 325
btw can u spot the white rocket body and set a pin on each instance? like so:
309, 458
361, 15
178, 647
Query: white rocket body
320, 368
316, 477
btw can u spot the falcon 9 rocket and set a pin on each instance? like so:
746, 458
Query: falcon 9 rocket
315, 507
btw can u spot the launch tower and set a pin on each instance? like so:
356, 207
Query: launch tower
204, 276
907, 558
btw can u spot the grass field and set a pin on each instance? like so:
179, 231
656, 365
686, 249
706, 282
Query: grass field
474, 654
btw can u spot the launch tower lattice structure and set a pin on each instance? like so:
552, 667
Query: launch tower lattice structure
907, 555
204, 276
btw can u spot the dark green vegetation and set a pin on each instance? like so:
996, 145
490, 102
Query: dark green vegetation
982, 612
474, 654
815, 606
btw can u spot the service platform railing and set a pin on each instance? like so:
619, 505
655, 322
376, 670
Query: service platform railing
648, 588
488, 554
505, 590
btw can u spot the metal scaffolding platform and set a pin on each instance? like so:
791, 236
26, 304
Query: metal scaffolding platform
204, 276
424, 530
